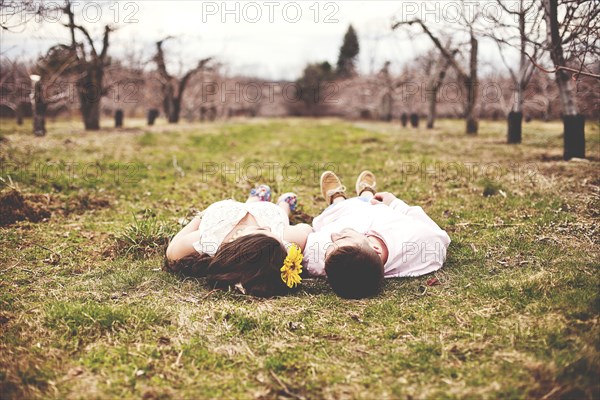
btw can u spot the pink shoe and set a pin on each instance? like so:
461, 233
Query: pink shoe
289, 198
263, 192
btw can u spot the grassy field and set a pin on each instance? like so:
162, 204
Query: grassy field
86, 312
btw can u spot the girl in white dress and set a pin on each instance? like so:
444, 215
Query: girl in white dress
250, 246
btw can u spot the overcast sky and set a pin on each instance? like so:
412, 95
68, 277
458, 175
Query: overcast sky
269, 39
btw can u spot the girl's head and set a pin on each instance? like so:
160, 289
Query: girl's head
252, 261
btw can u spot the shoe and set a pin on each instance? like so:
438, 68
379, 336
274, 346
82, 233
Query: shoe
331, 187
289, 198
263, 192
366, 181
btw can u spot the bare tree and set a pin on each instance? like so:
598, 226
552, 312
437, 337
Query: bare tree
14, 87
82, 59
468, 76
50, 87
387, 100
574, 38
89, 65
518, 29
39, 106
173, 88
436, 70
42, 85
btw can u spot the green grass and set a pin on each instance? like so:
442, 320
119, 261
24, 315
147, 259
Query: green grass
86, 312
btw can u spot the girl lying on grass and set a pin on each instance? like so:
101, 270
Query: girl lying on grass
250, 246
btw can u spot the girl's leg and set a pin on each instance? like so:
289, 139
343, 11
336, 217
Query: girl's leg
259, 193
285, 207
288, 202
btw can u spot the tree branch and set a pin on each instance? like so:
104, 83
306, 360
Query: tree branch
72, 26
576, 72
107, 31
85, 33
159, 58
500, 3
510, 70
463, 75
186, 77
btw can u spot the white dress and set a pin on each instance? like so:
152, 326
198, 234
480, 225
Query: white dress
219, 219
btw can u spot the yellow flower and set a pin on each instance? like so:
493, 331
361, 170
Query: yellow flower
292, 267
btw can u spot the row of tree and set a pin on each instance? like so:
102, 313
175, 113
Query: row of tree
571, 39
85, 61
564, 30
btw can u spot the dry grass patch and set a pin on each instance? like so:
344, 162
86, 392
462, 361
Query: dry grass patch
513, 314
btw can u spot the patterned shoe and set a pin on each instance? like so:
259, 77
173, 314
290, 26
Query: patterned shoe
331, 187
366, 182
263, 192
289, 198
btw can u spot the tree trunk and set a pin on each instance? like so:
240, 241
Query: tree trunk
19, 113
39, 124
548, 111
152, 115
91, 115
386, 107
432, 94
174, 110
432, 98
472, 126
118, 118
171, 103
90, 94
574, 136
414, 120
515, 116
574, 124
432, 113
566, 93
472, 86
404, 119
515, 125
39, 110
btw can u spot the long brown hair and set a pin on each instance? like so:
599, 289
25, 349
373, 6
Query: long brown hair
253, 261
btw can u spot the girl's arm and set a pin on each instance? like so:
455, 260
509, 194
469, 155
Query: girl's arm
297, 234
182, 243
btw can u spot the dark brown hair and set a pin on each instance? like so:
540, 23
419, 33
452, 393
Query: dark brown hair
193, 265
354, 272
254, 261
